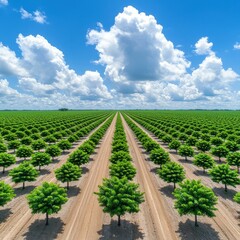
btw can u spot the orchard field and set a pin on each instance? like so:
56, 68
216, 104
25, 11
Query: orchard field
146, 174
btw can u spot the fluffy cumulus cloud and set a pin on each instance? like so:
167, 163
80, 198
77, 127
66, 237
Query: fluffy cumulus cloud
237, 45
4, 2
36, 16
203, 47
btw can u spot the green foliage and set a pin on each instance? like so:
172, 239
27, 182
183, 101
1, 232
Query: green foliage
185, 151
191, 141
78, 157
6, 193
203, 160
120, 156
175, 144
51, 139
120, 147
38, 144
220, 151
231, 146
171, 172
12, 145
53, 151
225, 175
237, 197
150, 145
122, 169
64, 145
25, 172
87, 147
159, 156
194, 198
118, 196
40, 159
233, 159
6, 160
203, 145
3, 148
216, 141
47, 198
24, 152
26, 141
68, 172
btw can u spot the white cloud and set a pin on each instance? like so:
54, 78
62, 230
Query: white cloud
237, 45
203, 47
36, 16
4, 2
135, 49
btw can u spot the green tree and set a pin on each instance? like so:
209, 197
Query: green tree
87, 147
24, 152
203, 145
39, 144
6, 193
185, 151
78, 157
191, 141
118, 196
159, 156
123, 169
225, 175
40, 159
231, 146
194, 198
64, 145
233, 159
47, 198
53, 151
13, 145
26, 141
220, 151
203, 160
120, 147
25, 172
120, 156
237, 197
3, 148
68, 172
175, 144
172, 172
150, 145
216, 141
6, 160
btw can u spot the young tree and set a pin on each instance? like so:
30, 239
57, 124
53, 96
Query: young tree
220, 151
68, 172
26, 141
24, 152
123, 169
159, 156
3, 148
40, 159
216, 141
78, 158
47, 198
191, 141
175, 144
223, 173
233, 159
87, 147
53, 151
6, 160
120, 156
194, 198
150, 145
172, 172
237, 197
39, 144
231, 146
185, 151
13, 145
120, 147
118, 196
64, 145
203, 145
25, 172
203, 160
6, 193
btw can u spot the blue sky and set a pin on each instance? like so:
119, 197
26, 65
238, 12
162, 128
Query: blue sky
119, 54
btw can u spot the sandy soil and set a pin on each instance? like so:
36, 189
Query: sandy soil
225, 225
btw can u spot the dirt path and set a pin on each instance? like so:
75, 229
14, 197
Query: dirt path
85, 219
156, 218
17, 219
226, 222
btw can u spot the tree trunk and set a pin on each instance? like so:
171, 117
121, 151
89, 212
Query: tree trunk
67, 184
23, 185
46, 218
174, 185
219, 159
39, 168
119, 220
225, 187
238, 168
185, 158
3, 170
203, 170
196, 223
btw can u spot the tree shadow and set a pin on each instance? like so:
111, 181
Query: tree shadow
55, 160
91, 159
38, 229
225, 195
199, 172
20, 191
154, 170
44, 172
168, 191
188, 161
188, 231
65, 153
85, 170
5, 174
73, 191
126, 231
5, 214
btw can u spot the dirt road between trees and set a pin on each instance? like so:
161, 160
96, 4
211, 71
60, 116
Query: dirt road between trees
225, 225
